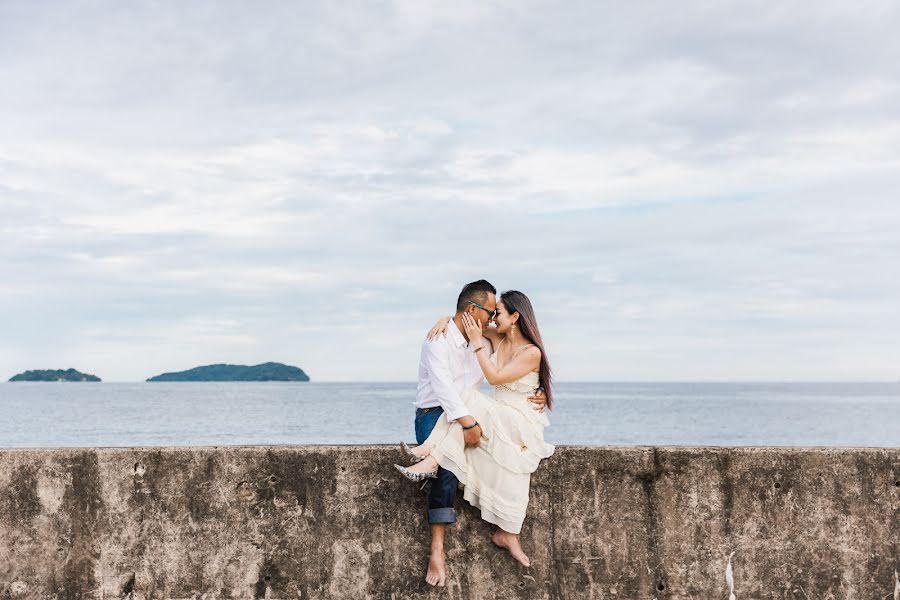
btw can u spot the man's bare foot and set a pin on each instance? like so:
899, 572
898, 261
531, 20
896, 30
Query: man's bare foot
510, 541
429, 465
436, 574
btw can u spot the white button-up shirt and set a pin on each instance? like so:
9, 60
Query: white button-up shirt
447, 366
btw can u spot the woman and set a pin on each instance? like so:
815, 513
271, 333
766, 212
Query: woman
497, 473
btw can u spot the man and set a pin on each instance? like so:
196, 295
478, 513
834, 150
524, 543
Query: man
447, 366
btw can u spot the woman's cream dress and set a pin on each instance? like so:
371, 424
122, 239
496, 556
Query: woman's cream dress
497, 473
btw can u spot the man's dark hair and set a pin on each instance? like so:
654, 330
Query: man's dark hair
477, 291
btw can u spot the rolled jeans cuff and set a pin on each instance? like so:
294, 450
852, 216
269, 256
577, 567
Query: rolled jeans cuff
441, 515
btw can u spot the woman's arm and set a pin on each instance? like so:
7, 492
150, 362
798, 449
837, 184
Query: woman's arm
440, 328
526, 361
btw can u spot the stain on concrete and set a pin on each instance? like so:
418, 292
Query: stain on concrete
127, 591
655, 564
306, 480
82, 504
726, 487
198, 492
20, 498
269, 578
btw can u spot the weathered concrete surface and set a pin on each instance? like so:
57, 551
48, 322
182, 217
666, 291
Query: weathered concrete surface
338, 522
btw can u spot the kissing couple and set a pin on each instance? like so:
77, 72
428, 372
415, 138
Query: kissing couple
488, 443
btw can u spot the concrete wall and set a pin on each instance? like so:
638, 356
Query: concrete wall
338, 522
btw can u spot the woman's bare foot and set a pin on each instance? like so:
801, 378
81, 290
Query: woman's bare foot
429, 465
436, 574
510, 541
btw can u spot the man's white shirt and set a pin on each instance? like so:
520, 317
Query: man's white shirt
447, 366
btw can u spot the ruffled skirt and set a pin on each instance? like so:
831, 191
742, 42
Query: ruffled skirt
497, 474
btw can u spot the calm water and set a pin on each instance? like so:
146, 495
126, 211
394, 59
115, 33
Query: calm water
157, 414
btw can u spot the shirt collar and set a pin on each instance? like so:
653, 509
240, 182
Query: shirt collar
458, 338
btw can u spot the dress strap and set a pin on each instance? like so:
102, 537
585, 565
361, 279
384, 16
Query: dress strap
514, 354
519, 350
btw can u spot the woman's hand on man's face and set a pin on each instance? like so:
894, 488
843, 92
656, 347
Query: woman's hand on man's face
473, 328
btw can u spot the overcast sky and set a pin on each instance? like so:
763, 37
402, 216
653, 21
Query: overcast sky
686, 190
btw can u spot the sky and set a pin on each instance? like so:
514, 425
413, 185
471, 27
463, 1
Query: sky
691, 191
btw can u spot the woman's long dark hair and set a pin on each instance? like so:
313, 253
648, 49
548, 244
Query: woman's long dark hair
517, 302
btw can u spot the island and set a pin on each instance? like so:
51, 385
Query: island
54, 375
270, 371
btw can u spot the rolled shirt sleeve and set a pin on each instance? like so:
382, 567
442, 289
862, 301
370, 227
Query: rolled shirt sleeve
437, 360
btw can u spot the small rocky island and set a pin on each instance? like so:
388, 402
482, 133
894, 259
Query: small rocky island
269, 371
54, 375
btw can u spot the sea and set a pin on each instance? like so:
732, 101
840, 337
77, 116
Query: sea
45, 415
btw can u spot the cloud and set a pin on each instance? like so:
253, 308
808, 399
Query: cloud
695, 192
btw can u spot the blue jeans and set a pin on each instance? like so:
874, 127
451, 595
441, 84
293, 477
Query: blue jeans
443, 489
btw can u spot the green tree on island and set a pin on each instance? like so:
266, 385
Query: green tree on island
54, 375
269, 371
